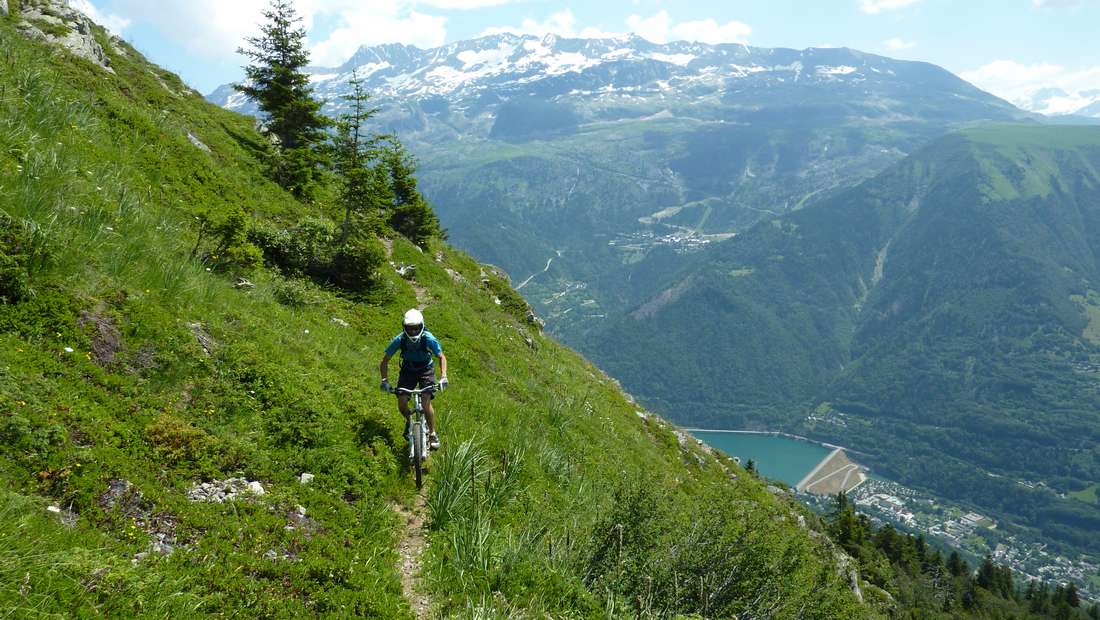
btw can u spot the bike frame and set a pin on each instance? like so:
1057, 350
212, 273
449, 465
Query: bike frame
418, 430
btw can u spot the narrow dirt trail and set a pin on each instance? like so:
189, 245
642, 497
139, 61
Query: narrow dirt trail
423, 297
410, 548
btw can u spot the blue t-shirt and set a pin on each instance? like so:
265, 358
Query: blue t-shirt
415, 355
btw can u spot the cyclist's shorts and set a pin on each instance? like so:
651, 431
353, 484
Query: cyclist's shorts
411, 379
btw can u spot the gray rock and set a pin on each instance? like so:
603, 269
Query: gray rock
219, 491
243, 283
204, 339
340, 322
305, 478
198, 143
533, 319
117, 45
4, 7
78, 38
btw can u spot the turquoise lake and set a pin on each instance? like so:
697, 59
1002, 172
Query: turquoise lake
776, 457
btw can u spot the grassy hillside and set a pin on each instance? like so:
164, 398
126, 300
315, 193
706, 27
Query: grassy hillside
945, 311
132, 369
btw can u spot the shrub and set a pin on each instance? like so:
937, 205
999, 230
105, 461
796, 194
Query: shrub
297, 424
177, 440
416, 221
293, 293
301, 250
14, 251
228, 234
355, 265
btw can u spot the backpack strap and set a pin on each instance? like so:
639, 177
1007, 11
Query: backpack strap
406, 343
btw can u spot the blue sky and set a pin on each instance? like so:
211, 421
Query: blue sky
1009, 47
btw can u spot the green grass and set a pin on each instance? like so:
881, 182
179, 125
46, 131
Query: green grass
132, 360
1089, 495
1091, 306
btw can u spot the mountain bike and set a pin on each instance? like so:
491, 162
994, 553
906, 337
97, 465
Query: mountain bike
417, 435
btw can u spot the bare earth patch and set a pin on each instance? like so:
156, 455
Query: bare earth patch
409, 549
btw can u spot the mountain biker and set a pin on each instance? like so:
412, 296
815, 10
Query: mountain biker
417, 346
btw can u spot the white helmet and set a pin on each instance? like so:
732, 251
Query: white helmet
414, 324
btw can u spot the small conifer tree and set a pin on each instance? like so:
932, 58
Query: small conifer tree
279, 85
411, 215
354, 153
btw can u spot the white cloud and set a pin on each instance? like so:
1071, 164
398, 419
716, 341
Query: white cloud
660, 28
653, 28
896, 44
363, 27
1021, 83
1056, 3
214, 29
464, 4
710, 31
112, 22
874, 7
562, 23
207, 28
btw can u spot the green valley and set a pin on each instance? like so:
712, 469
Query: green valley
937, 317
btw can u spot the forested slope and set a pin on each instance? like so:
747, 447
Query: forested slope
941, 317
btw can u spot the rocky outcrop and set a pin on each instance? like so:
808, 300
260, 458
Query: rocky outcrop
4, 8
55, 22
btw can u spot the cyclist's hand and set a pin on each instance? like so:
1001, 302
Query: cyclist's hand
442, 384
386, 386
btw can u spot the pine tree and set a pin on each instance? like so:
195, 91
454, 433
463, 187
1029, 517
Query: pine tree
1071, 596
279, 85
987, 574
956, 565
411, 215
354, 153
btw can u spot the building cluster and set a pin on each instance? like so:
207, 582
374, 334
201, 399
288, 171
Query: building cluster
968, 531
893, 506
681, 242
956, 530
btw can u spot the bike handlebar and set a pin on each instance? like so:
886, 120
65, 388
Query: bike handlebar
401, 390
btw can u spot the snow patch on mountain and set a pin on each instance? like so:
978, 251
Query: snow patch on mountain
677, 59
492, 58
841, 70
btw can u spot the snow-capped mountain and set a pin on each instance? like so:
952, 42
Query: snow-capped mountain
1055, 101
625, 76
570, 160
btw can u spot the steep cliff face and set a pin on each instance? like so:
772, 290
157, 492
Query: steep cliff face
57, 23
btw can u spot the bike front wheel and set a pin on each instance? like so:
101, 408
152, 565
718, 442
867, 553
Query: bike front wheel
418, 453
